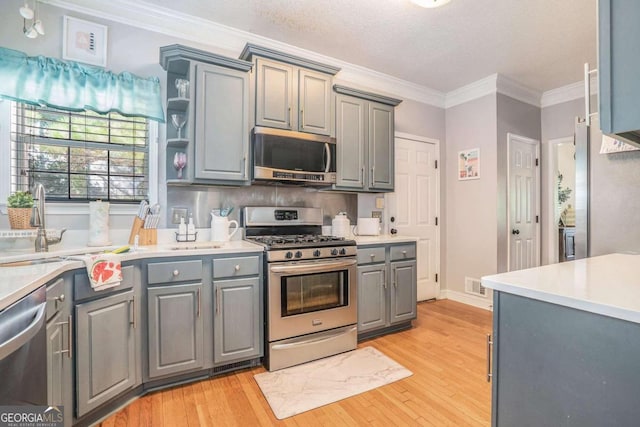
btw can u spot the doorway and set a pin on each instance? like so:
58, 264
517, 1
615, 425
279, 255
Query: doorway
561, 187
415, 204
523, 201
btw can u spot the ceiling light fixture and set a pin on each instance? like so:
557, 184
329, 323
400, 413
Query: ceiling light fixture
35, 27
430, 3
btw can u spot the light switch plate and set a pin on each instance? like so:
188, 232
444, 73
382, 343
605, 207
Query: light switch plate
177, 213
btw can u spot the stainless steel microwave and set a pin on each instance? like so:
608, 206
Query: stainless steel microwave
293, 157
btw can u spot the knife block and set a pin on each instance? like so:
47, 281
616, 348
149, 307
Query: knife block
148, 236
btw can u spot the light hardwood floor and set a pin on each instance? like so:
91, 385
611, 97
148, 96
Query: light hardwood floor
445, 350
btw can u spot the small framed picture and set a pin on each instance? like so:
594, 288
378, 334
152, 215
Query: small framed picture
84, 41
469, 164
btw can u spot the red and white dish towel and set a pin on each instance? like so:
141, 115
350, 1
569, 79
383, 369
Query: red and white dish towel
104, 270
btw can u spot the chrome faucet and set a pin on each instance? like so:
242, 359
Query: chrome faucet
38, 220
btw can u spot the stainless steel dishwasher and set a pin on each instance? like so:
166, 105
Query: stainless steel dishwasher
23, 351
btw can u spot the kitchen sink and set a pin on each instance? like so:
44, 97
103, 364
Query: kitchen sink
193, 246
29, 262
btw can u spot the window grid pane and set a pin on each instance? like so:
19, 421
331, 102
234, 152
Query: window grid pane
79, 155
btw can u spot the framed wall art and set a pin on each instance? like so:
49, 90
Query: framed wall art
84, 41
469, 164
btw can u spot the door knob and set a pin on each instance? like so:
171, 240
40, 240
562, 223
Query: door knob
514, 231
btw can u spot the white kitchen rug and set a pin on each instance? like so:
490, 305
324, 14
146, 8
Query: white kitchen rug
300, 388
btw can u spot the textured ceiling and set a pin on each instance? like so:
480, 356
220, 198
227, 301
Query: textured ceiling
542, 44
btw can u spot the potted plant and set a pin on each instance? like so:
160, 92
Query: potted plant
19, 206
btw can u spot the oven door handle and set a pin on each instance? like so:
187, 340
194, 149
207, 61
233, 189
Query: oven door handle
312, 268
17, 341
312, 340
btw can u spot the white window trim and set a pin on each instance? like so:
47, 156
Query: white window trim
54, 208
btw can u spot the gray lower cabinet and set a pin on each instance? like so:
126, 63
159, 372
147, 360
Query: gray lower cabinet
554, 365
59, 347
175, 329
106, 349
618, 64
236, 323
387, 288
238, 312
365, 140
221, 123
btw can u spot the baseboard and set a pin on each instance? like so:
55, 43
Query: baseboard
480, 302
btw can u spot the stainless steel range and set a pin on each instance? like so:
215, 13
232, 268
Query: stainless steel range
311, 301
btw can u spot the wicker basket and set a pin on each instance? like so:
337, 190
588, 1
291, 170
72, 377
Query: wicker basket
19, 218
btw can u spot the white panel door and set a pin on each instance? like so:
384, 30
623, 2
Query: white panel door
524, 179
415, 207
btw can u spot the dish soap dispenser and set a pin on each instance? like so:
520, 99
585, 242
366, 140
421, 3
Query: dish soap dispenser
191, 229
182, 230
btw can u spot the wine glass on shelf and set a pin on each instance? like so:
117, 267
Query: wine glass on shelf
179, 162
178, 121
182, 86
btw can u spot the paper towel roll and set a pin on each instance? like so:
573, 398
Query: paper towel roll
99, 223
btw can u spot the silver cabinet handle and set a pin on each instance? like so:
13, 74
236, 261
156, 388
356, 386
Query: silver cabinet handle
176, 272
289, 124
69, 340
373, 176
362, 175
301, 118
404, 253
384, 280
60, 298
132, 307
198, 306
489, 344
372, 256
237, 267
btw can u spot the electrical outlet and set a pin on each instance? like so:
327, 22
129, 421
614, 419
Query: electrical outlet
177, 213
379, 202
377, 214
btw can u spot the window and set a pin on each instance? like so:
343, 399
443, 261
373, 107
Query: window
79, 156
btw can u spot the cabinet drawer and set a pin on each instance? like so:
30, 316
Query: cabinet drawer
403, 252
370, 255
230, 267
175, 271
55, 297
82, 288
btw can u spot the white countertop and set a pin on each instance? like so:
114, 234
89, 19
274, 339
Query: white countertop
383, 239
16, 282
608, 285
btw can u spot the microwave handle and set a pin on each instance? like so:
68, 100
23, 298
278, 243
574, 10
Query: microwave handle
327, 151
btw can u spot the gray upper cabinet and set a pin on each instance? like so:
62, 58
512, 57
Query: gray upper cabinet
222, 124
106, 351
618, 64
176, 332
215, 137
365, 140
291, 92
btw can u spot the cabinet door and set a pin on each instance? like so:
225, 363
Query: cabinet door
237, 321
372, 297
222, 124
618, 64
274, 94
381, 146
55, 359
351, 141
403, 291
105, 354
314, 102
175, 329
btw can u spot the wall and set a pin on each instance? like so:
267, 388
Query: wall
521, 119
471, 246
136, 50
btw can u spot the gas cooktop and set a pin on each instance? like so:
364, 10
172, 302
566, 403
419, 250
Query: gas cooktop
292, 241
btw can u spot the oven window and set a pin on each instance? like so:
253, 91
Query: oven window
314, 292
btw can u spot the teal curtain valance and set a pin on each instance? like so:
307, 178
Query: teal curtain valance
68, 85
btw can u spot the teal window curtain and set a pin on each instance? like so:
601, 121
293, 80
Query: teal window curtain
71, 86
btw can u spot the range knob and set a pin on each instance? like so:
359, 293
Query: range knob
343, 251
316, 252
288, 255
298, 254
334, 252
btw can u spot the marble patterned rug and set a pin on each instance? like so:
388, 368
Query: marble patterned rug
304, 387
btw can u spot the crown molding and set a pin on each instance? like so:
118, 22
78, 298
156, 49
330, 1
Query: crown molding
158, 19
567, 93
475, 90
515, 90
